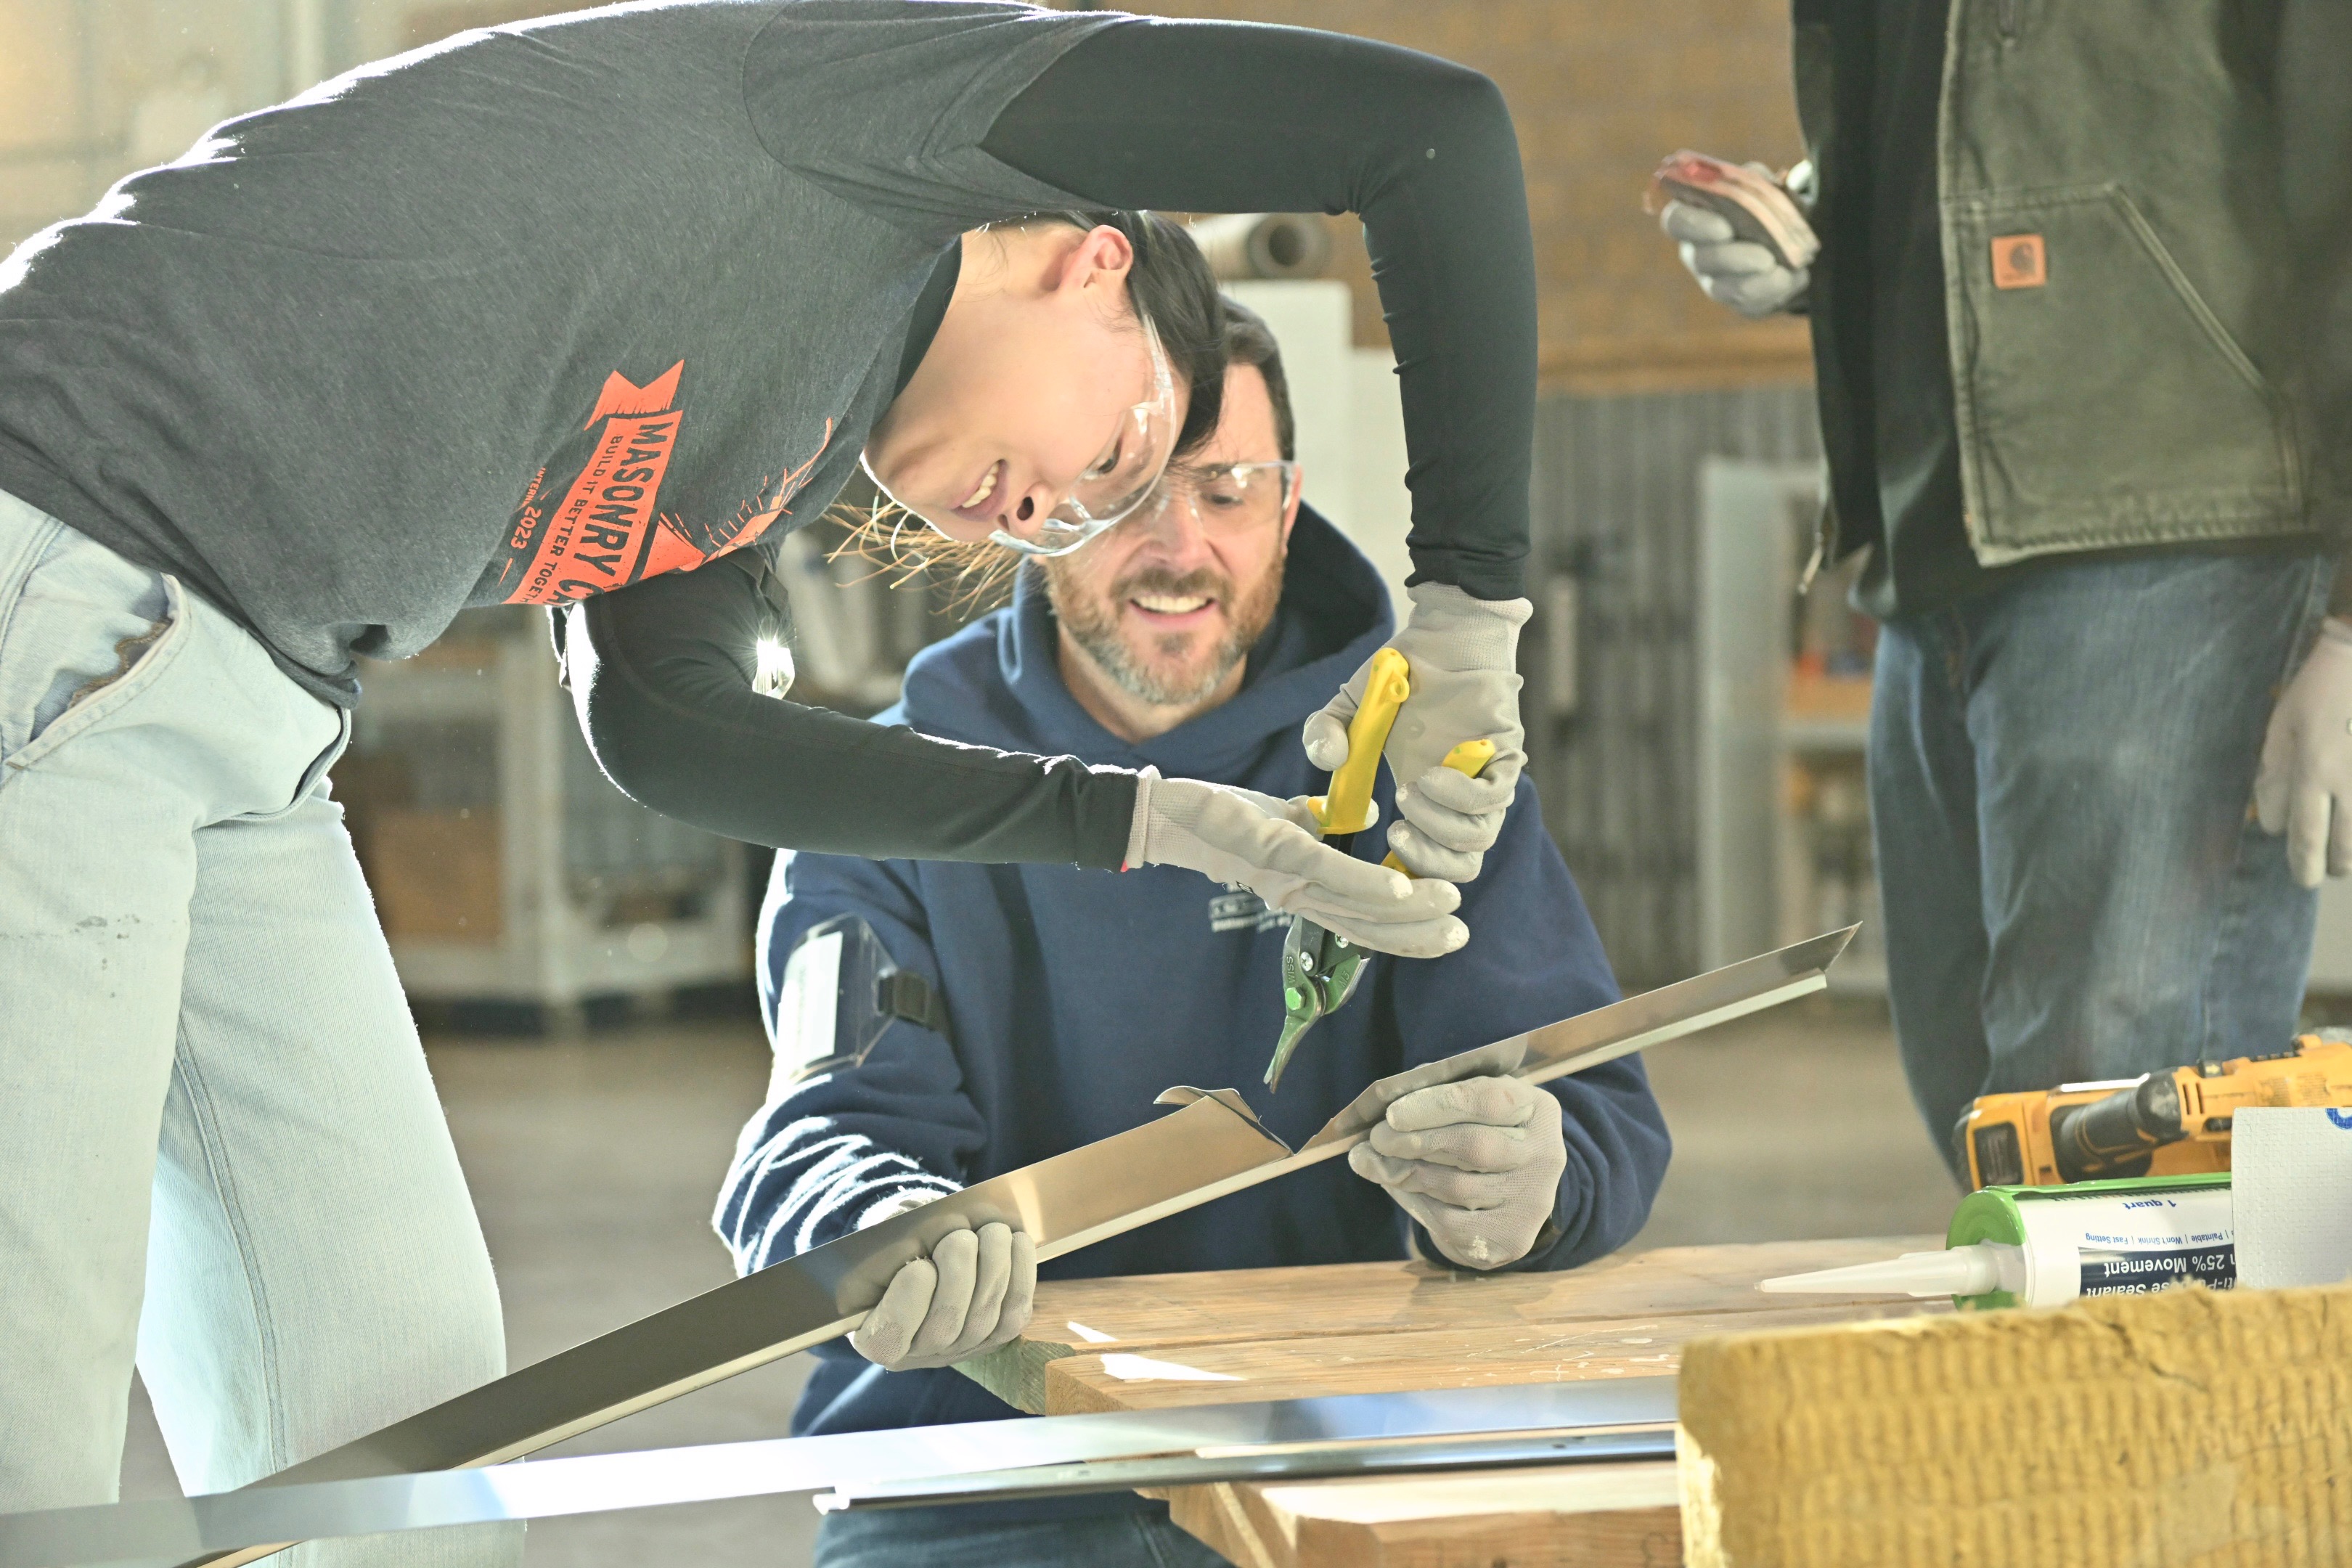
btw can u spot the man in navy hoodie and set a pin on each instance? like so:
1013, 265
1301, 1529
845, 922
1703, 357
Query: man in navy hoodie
1040, 1008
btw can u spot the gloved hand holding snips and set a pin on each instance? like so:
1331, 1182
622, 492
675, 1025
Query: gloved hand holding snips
2304, 787
972, 1294
1463, 655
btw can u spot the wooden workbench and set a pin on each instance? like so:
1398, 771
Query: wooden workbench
1154, 1340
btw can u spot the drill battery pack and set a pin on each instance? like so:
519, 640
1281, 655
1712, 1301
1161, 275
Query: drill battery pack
2165, 1124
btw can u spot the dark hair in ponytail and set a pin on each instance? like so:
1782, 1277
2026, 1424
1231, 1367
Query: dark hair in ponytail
1171, 287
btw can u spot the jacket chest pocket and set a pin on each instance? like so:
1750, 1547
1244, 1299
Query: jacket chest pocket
2101, 401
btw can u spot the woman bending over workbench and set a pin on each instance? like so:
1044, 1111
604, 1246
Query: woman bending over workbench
589, 312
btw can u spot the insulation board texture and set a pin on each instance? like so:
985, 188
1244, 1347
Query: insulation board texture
2185, 1427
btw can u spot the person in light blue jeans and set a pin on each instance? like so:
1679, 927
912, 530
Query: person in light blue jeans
2061, 778
220, 1152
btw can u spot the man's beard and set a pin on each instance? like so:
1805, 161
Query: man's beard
1092, 622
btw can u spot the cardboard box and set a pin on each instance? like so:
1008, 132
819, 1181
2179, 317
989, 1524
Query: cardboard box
437, 875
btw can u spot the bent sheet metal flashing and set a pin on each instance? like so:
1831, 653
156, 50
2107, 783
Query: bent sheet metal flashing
1350, 1434
1211, 1146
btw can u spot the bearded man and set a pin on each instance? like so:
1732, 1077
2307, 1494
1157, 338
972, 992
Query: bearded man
938, 1024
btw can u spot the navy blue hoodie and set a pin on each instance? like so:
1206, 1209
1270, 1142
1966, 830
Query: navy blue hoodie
1075, 997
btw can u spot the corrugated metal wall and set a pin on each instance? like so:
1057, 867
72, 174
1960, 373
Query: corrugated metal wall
1612, 697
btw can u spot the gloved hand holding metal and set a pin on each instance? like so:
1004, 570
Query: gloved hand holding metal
1464, 655
1736, 272
972, 1294
2304, 787
1477, 1162
1272, 847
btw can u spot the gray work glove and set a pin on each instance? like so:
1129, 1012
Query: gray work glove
1271, 847
972, 1294
1477, 1162
1463, 655
2304, 787
1736, 272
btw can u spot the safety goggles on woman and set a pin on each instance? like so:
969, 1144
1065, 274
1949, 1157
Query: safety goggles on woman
1120, 478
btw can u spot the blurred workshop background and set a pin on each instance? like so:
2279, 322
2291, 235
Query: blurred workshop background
582, 965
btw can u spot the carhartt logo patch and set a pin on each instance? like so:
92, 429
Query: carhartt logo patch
2018, 261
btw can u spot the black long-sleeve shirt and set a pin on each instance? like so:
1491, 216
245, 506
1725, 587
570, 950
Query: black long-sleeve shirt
575, 312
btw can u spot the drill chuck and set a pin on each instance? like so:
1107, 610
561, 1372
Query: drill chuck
2118, 1135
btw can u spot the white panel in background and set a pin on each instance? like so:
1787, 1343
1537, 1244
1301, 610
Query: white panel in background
1379, 508
1742, 620
305, 44
2331, 954
2291, 1195
1311, 318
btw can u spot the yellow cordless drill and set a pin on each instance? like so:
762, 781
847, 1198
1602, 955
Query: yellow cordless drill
2165, 1124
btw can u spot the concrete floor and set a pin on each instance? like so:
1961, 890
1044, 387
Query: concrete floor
1792, 1125
594, 1163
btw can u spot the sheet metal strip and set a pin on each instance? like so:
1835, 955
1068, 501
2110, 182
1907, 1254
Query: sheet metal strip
1318, 1462
1307, 1431
1209, 1147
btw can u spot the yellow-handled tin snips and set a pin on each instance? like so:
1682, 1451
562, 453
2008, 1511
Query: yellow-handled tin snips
1320, 967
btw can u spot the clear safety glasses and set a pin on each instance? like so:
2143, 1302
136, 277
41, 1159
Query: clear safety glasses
1119, 480
1226, 498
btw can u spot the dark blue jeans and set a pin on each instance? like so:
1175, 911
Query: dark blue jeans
2061, 781
915, 1538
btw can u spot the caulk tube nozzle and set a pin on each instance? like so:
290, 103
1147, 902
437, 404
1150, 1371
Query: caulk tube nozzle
1969, 1271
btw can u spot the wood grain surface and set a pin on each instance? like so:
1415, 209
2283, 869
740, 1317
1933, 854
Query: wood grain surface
1548, 1516
1160, 1341
1420, 1358
1250, 1316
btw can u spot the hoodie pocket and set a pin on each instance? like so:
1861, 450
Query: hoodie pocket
2101, 399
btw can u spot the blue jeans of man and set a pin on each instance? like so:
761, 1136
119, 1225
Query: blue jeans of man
2061, 781
906, 1538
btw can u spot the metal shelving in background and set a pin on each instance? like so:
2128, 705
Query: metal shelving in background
509, 873
1783, 807
1612, 658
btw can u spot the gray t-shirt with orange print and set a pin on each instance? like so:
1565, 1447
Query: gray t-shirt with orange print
529, 315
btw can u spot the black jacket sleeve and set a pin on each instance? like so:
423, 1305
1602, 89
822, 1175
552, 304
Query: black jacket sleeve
662, 674
1236, 117
2315, 117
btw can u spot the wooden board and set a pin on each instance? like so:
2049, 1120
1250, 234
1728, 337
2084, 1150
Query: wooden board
1159, 1341
1424, 1358
1549, 1516
1153, 1314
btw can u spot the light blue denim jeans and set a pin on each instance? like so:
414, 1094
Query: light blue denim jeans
912, 1538
220, 1152
2062, 780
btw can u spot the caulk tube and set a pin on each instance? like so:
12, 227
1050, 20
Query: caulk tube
2042, 1246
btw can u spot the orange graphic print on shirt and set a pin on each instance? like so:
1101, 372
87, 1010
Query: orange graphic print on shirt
608, 530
